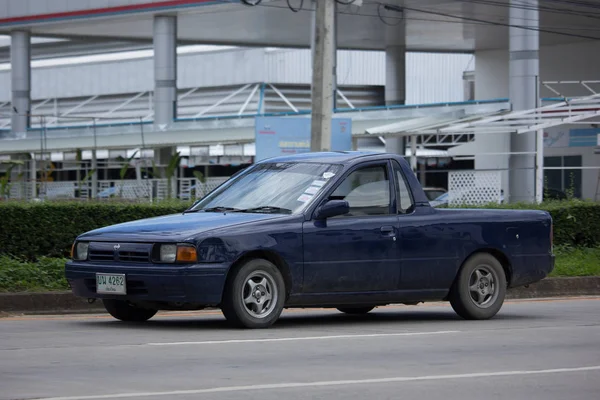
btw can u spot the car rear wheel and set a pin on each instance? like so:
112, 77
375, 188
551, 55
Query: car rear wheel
480, 288
254, 296
124, 311
355, 310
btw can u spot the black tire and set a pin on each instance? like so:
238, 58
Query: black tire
484, 272
267, 280
356, 310
124, 311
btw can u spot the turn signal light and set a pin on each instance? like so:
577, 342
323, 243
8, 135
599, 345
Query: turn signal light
186, 254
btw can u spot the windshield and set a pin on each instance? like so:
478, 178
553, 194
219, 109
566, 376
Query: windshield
270, 187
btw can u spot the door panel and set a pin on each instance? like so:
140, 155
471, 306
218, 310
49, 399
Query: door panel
427, 248
357, 252
351, 255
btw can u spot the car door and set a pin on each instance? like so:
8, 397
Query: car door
427, 247
356, 252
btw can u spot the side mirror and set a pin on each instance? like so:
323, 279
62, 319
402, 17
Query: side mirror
332, 208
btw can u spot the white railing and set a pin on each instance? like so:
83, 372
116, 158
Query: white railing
131, 190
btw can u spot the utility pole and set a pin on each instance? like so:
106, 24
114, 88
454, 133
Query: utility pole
323, 75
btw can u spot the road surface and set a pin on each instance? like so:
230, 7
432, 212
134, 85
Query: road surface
546, 350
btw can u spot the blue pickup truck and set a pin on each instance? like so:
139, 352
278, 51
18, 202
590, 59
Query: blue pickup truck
345, 230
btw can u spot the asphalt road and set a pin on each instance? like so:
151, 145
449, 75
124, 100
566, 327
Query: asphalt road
531, 350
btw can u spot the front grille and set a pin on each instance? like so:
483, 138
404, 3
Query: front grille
133, 256
101, 255
120, 252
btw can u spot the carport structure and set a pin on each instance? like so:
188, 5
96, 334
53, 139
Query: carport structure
519, 29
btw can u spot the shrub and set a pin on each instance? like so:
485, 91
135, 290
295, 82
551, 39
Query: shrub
43, 275
34, 230
576, 222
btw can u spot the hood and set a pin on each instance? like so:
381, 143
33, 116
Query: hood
174, 226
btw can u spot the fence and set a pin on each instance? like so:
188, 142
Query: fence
130, 190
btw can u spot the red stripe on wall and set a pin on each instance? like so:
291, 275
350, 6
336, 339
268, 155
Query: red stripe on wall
100, 11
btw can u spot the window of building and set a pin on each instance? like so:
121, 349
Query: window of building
565, 180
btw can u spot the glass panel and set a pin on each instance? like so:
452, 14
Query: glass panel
289, 186
404, 195
367, 191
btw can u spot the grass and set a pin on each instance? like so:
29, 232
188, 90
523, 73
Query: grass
47, 274
577, 261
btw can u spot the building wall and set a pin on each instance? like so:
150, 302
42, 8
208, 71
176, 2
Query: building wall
570, 62
557, 144
430, 77
564, 62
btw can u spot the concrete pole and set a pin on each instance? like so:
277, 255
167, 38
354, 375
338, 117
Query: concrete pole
20, 63
395, 79
323, 76
524, 94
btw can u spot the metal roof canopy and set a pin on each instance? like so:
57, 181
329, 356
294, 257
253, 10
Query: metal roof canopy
568, 111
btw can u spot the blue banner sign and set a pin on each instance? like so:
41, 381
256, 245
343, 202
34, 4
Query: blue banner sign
277, 136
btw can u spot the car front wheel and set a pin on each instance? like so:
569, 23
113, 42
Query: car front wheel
480, 288
255, 295
124, 311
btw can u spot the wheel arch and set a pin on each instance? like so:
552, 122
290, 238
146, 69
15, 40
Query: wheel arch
268, 255
497, 254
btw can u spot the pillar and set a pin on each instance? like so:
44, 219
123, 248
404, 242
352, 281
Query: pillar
524, 94
165, 70
323, 75
20, 61
165, 86
395, 79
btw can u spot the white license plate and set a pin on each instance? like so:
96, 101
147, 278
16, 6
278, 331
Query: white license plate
110, 284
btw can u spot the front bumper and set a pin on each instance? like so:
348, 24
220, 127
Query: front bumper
198, 284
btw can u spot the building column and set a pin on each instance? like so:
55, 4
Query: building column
395, 90
524, 94
165, 85
20, 62
165, 70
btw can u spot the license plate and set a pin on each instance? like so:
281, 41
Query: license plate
110, 284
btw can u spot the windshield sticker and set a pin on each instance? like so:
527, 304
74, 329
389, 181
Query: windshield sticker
304, 197
318, 183
328, 175
312, 190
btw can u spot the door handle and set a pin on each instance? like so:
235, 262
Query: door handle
388, 231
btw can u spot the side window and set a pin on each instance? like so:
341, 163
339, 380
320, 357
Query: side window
404, 196
367, 190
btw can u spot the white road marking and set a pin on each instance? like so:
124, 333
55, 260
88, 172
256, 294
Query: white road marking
293, 339
292, 385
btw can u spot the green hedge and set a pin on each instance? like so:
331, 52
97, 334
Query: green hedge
34, 230
576, 222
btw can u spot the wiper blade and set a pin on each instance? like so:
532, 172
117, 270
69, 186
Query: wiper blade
268, 209
220, 209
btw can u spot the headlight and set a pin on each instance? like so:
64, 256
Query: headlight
80, 251
181, 253
168, 253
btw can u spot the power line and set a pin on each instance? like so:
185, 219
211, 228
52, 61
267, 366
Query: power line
461, 19
525, 6
488, 22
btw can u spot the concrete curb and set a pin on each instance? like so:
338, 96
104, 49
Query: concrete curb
66, 303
